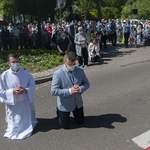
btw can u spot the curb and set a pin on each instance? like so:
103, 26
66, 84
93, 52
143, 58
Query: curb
44, 79
44, 76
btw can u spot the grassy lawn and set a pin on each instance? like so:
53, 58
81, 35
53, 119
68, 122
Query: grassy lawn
34, 60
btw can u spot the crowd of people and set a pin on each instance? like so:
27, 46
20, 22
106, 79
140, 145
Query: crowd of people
85, 38
72, 40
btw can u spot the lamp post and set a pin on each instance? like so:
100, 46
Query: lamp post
61, 4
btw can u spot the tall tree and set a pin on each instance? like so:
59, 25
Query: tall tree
142, 7
111, 8
99, 5
8, 8
83, 6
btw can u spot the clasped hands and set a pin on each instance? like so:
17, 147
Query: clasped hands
83, 43
75, 89
19, 90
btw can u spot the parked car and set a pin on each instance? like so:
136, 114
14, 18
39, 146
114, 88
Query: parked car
134, 22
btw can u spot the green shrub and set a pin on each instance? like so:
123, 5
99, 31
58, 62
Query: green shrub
34, 60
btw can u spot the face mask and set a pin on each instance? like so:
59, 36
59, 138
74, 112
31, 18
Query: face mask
70, 68
15, 66
80, 32
63, 38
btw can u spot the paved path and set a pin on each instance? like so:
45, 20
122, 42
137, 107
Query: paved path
116, 107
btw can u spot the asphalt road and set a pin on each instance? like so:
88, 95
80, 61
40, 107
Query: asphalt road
117, 107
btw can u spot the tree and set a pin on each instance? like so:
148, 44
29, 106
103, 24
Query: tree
111, 8
105, 8
83, 7
99, 5
142, 7
110, 13
7, 7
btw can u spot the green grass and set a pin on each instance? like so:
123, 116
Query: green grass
33, 60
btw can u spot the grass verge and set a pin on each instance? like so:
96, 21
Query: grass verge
34, 60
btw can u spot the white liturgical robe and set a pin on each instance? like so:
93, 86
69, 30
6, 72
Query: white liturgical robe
20, 111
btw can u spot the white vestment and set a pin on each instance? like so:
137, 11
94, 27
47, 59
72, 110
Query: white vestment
20, 111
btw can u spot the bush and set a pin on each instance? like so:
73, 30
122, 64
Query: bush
33, 60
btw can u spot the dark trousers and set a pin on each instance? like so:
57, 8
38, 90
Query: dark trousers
84, 57
64, 119
126, 37
103, 41
95, 59
113, 38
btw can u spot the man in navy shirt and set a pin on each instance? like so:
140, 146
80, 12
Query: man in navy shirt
113, 32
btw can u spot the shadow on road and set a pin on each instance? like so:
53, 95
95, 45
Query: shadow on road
101, 62
104, 121
45, 125
114, 51
111, 52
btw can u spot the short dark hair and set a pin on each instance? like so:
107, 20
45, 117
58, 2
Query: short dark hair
14, 55
71, 56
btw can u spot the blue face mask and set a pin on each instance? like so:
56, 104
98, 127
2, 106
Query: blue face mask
15, 66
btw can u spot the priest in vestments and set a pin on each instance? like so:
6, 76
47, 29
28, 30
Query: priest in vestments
17, 88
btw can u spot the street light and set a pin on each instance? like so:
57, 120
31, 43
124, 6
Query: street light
61, 4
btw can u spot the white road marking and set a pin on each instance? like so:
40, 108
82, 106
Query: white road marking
143, 140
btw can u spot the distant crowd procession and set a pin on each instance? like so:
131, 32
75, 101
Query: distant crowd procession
63, 36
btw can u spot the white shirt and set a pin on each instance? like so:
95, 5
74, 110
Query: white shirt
93, 50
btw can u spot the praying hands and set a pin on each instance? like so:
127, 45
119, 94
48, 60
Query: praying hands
19, 90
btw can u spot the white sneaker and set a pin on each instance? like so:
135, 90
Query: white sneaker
85, 66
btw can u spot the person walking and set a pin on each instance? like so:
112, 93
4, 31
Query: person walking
17, 88
68, 84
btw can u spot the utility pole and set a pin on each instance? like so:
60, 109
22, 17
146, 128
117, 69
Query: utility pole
61, 4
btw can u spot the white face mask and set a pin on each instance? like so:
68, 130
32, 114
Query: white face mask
15, 66
70, 68
80, 32
63, 38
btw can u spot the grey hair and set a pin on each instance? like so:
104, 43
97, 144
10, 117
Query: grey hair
71, 56
80, 29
